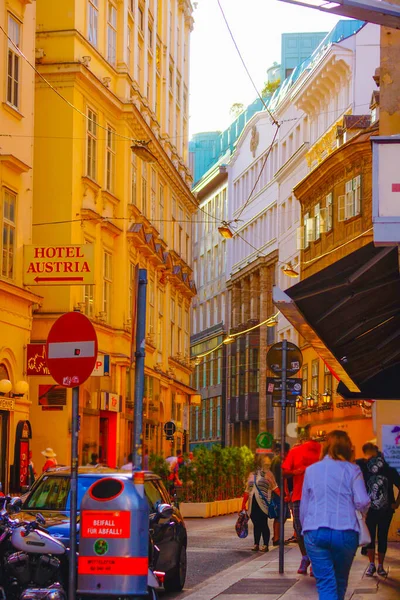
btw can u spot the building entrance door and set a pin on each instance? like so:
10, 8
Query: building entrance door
4, 417
103, 440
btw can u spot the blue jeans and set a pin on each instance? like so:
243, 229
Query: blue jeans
331, 553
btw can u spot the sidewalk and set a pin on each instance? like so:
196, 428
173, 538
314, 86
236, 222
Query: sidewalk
260, 578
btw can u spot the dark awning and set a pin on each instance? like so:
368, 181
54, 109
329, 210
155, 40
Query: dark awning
350, 312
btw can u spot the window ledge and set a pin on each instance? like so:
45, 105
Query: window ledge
92, 184
14, 163
13, 110
106, 195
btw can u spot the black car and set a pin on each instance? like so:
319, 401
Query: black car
50, 495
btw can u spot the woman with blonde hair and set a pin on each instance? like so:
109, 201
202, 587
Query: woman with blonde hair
333, 490
260, 485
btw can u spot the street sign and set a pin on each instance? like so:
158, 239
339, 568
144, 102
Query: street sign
71, 349
264, 439
294, 386
169, 428
294, 358
59, 265
102, 366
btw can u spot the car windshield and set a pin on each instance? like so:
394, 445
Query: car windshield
52, 493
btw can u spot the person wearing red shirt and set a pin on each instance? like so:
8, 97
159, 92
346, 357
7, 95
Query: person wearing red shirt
295, 464
51, 460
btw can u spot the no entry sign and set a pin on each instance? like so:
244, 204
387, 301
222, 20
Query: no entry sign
71, 349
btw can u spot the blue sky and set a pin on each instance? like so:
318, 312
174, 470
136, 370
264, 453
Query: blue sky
217, 77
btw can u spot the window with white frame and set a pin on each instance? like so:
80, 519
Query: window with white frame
144, 186
13, 62
91, 144
317, 222
180, 345
151, 311
327, 381
93, 19
132, 271
153, 198
161, 203
349, 204
88, 299
329, 213
314, 378
8, 238
134, 196
172, 330
186, 345
107, 285
110, 159
111, 33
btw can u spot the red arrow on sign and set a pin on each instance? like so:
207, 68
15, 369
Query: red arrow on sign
38, 279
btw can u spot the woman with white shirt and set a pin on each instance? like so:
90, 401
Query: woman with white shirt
333, 490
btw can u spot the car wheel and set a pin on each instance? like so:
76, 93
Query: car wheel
175, 579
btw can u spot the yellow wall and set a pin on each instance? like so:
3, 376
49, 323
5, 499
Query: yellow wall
350, 419
75, 206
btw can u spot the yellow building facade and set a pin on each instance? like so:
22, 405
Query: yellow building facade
122, 71
17, 19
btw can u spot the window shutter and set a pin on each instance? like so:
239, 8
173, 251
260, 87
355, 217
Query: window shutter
329, 212
300, 238
357, 194
317, 221
349, 205
341, 208
323, 220
310, 229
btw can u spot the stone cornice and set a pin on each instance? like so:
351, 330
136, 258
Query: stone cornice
359, 146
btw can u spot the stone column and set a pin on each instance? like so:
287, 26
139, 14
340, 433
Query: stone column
265, 301
254, 295
236, 300
245, 300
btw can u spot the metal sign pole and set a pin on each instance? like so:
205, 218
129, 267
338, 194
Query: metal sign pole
74, 494
283, 442
139, 370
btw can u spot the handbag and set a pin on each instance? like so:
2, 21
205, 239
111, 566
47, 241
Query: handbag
241, 525
364, 537
272, 507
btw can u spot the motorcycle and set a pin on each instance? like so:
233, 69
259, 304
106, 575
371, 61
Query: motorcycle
32, 562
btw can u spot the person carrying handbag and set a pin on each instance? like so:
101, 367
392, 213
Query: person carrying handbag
333, 492
260, 485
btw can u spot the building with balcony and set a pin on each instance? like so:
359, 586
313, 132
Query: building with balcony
112, 172
17, 19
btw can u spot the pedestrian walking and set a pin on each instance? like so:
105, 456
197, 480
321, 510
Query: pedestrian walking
298, 459
51, 460
333, 490
380, 478
276, 472
260, 485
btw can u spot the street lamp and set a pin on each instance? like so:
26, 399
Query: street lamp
272, 322
142, 151
228, 340
225, 231
326, 397
20, 388
299, 402
289, 270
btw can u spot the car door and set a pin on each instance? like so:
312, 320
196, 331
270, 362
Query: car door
163, 531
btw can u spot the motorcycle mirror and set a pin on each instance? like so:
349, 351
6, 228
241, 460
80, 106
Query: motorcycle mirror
165, 511
15, 505
40, 519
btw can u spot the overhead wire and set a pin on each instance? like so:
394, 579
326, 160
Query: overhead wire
64, 99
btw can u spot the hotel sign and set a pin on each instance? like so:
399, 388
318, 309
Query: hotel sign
59, 265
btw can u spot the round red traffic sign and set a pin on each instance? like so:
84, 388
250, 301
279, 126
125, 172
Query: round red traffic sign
71, 349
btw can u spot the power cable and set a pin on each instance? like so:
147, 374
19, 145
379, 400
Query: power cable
132, 140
